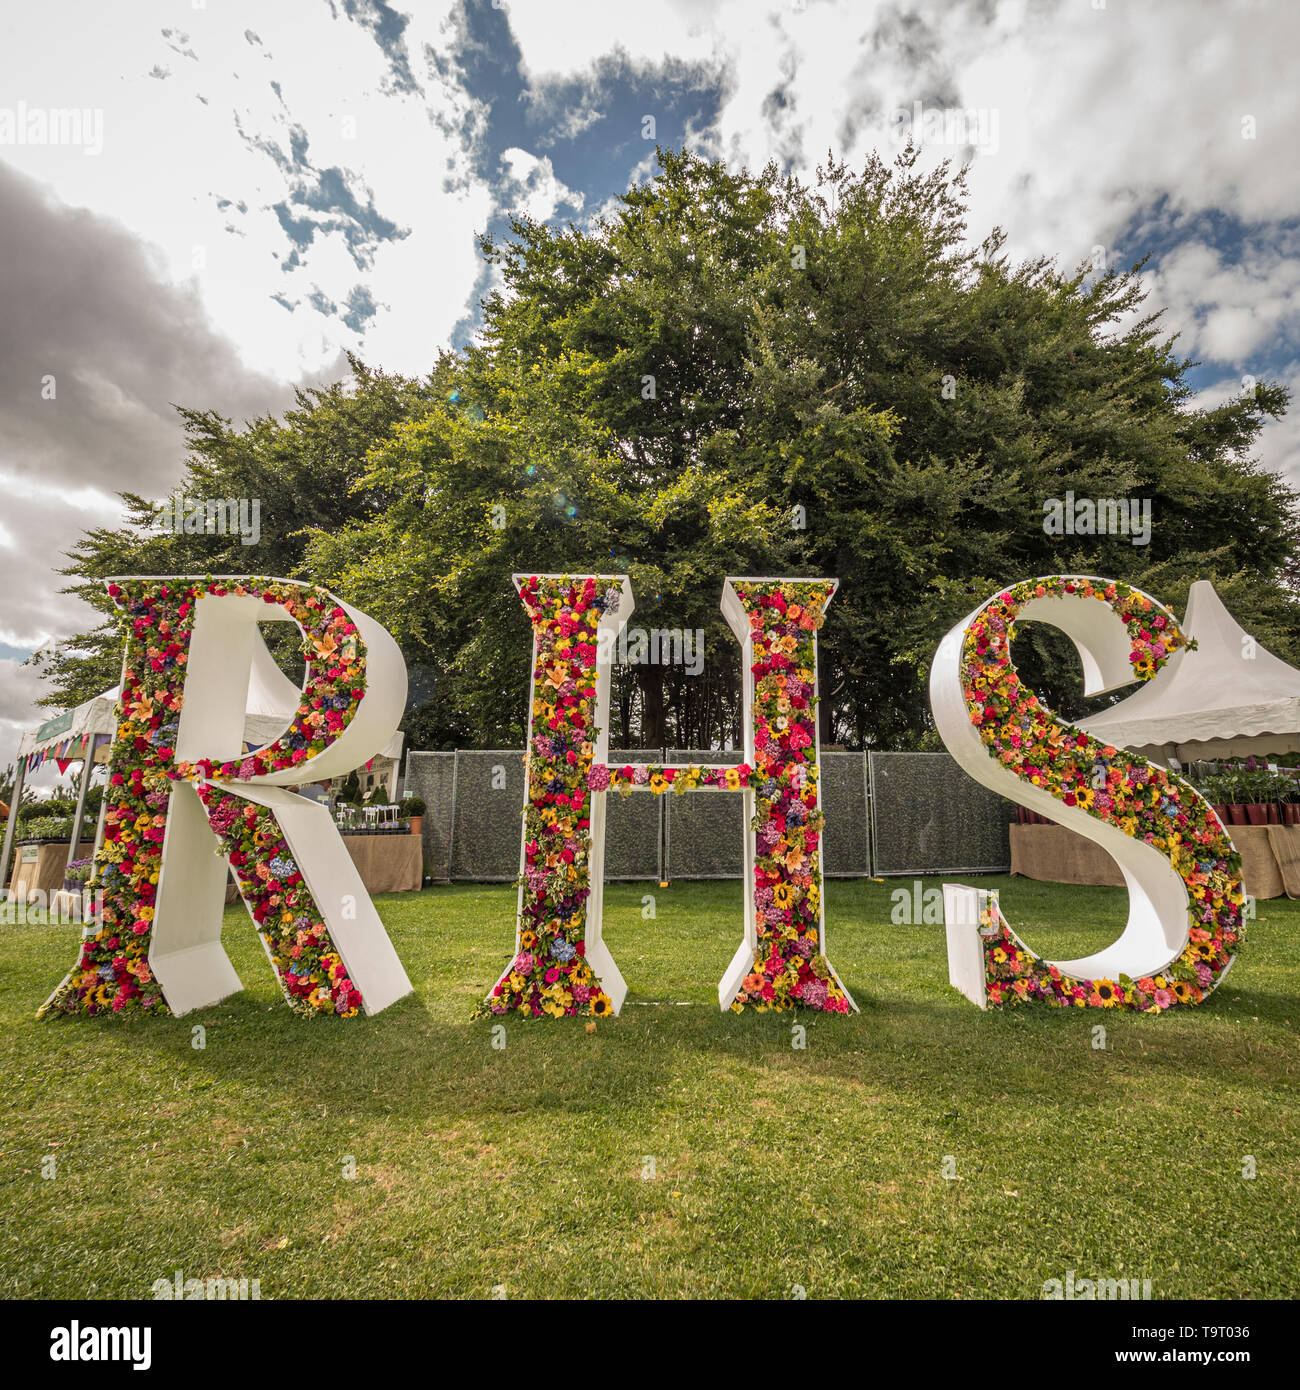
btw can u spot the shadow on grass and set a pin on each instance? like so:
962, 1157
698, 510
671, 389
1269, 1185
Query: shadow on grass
423, 1059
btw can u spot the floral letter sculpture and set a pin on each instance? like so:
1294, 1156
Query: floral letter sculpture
185, 799
1183, 874
561, 967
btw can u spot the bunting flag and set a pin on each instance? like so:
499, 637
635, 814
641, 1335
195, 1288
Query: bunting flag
65, 752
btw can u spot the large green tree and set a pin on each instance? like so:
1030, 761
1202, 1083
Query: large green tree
738, 372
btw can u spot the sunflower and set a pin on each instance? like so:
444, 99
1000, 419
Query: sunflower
600, 1006
781, 895
1107, 993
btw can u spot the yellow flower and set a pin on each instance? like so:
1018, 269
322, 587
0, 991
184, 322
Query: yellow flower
1108, 992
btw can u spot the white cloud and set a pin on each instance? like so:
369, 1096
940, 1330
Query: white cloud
1229, 312
173, 152
531, 188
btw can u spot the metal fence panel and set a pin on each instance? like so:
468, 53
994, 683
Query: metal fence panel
432, 777
930, 817
924, 815
486, 817
634, 823
846, 844
705, 830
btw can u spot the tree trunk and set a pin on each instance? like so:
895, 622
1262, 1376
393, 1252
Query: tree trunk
652, 706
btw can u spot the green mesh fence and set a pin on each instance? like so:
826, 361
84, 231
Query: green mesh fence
432, 777
930, 817
486, 818
924, 816
633, 823
705, 829
846, 844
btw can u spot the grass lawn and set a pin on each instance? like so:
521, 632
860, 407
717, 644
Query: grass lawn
528, 1168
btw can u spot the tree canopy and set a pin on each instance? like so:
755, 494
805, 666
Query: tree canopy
740, 373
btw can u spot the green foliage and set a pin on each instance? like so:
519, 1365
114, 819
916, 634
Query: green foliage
800, 341
55, 827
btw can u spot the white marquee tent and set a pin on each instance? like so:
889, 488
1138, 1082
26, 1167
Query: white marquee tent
1230, 698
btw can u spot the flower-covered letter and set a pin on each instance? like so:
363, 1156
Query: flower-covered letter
1182, 872
186, 798
561, 966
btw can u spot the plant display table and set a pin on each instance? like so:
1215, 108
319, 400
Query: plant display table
386, 863
38, 866
1270, 857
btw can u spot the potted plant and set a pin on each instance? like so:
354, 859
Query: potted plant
1214, 788
413, 807
1234, 796
1258, 790
77, 874
1290, 804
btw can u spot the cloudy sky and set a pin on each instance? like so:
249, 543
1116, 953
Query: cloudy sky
248, 190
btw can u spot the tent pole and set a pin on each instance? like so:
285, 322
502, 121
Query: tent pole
99, 824
87, 768
11, 825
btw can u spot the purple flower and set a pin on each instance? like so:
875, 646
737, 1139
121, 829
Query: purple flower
814, 993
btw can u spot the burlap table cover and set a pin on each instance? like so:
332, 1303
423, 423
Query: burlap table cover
45, 871
1058, 855
1284, 840
386, 863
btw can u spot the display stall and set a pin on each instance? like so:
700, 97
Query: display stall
37, 867
387, 863
77, 735
1227, 697
1270, 858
